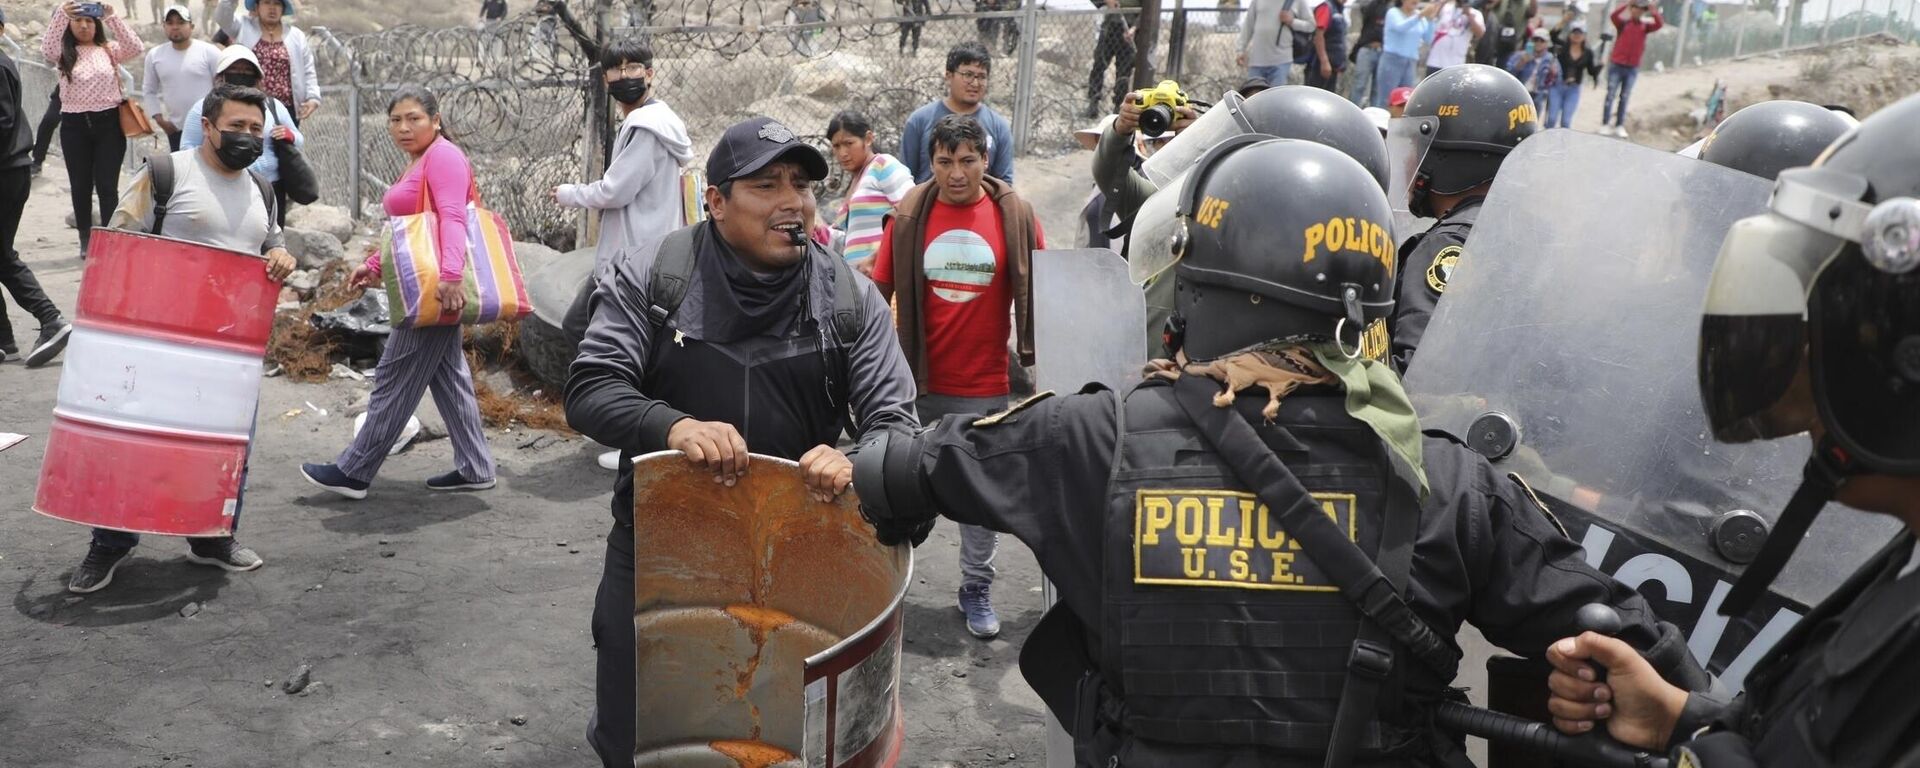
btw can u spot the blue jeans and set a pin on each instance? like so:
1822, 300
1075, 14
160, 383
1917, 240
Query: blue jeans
1562, 100
1393, 72
1360, 85
1619, 80
1275, 75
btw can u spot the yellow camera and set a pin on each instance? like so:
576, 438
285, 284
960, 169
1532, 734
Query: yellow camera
1157, 107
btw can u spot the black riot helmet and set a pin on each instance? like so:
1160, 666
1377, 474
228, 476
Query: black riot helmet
1813, 320
1318, 115
1253, 270
1457, 128
1772, 136
1287, 112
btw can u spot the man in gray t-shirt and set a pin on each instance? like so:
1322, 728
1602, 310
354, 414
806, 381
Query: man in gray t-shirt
215, 201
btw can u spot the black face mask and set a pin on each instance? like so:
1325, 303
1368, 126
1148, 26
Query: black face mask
629, 91
243, 81
237, 151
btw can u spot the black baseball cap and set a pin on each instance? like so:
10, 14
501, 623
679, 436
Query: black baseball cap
750, 145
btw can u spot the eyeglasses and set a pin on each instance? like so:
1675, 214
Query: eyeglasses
629, 70
971, 77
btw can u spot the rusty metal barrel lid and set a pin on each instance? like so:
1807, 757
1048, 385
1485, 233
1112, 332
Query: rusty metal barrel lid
767, 624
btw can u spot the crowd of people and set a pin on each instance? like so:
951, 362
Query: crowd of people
726, 315
1400, 42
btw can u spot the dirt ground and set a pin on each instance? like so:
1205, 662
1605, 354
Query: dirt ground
453, 629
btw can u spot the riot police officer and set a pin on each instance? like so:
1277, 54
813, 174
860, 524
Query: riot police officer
1812, 324
1248, 572
1769, 137
1458, 127
1287, 112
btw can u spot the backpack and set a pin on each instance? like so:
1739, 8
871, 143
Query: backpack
160, 176
672, 273
1302, 41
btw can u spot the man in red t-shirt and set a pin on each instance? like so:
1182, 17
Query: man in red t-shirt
958, 259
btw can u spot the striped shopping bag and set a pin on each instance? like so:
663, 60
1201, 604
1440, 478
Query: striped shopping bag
491, 280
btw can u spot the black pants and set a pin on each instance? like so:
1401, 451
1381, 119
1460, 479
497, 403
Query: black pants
93, 146
1314, 80
49, 123
173, 140
914, 9
15, 183
1113, 49
611, 731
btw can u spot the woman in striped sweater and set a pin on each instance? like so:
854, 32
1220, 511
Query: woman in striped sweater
878, 182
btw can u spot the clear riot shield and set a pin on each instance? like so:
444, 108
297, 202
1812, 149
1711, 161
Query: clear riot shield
1567, 346
1087, 320
1086, 327
767, 625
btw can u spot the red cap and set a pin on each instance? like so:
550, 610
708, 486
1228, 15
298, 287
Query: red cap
1399, 96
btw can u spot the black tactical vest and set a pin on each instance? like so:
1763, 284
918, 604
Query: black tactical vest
1838, 689
1219, 634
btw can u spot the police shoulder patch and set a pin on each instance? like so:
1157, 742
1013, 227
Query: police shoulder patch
988, 421
1441, 270
1528, 489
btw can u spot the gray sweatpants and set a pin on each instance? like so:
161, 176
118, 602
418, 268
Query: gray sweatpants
415, 360
977, 545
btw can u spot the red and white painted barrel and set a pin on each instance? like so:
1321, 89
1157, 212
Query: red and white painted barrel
159, 387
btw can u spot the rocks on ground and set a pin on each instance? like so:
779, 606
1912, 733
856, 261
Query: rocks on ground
313, 249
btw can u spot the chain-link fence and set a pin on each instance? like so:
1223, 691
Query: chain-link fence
519, 95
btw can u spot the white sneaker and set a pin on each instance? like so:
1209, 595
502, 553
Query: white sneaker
1620, 131
610, 461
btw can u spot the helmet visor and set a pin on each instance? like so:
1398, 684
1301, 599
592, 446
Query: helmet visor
1753, 333
1224, 120
1408, 139
1150, 244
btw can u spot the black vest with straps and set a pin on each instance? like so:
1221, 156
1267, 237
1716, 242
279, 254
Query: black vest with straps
1838, 689
1223, 641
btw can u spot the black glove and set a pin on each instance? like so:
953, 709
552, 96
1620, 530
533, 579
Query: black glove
895, 532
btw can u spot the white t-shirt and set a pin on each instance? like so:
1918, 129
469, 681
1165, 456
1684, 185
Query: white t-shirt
1453, 36
176, 80
206, 207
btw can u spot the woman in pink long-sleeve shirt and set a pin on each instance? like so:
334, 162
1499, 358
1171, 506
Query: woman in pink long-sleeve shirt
87, 49
419, 358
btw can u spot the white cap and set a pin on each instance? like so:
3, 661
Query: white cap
1380, 118
185, 15
234, 54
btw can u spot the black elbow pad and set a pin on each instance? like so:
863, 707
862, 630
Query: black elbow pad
886, 474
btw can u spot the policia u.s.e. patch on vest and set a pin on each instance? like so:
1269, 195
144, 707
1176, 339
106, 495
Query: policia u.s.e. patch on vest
1213, 538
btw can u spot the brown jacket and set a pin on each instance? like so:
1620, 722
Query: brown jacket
909, 278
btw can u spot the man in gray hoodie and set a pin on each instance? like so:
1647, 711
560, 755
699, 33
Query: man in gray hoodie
640, 197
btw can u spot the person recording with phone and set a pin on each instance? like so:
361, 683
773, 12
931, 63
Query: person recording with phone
87, 42
1407, 29
1537, 67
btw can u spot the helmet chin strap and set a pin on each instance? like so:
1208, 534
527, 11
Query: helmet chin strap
1419, 194
1827, 469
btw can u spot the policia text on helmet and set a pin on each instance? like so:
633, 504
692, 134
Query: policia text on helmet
1811, 325
1278, 274
1458, 127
